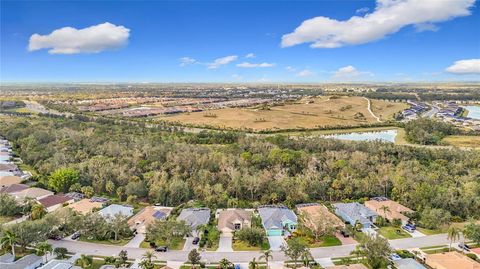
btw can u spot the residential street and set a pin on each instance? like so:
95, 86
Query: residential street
239, 256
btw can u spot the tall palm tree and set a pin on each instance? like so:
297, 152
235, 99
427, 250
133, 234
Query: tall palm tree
253, 264
225, 264
85, 261
267, 255
8, 240
385, 209
44, 248
149, 255
453, 234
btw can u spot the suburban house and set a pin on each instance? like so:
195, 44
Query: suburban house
408, 263
32, 193
388, 209
148, 215
59, 264
355, 212
195, 217
312, 213
53, 202
84, 206
231, 220
30, 261
277, 219
13, 188
6, 181
351, 266
450, 260
115, 209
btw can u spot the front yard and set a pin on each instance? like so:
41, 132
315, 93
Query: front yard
120, 242
176, 243
391, 232
239, 245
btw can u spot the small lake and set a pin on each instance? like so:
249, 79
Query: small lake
386, 136
473, 112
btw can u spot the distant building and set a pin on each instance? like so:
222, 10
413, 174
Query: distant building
277, 220
231, 220
393, 210
195, 217
450, 260
355, 212
148, 215
85, 206
32, 193
115, 209
53, 202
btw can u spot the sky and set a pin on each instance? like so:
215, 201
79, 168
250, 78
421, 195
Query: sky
240, 41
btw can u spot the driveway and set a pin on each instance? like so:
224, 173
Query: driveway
189, 244
345, 240
416, 233
275, 242
136, 241
225, 244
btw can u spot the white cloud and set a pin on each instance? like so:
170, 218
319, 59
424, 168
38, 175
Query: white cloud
470, 66
184, 61
305, 73
222, 61
350, 72
290, 69
253, 65
93, 39
362, 10
389, 17
250, 55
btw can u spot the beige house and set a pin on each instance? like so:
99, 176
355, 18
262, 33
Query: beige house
148, 215
53, 202
450, 260
313, 213
85, 206
6, 181
394, 211
230, 220
32, 193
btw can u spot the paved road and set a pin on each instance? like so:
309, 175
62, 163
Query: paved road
240, 256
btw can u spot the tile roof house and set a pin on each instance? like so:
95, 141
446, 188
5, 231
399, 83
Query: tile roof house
115, 209
395, 210
33, 193
148, 215
85, 206
231, 220
277, 219
195, 217
9, 180
312, 213
13, 188
53, 202
450, 260
355, 212
27, 262
408, 263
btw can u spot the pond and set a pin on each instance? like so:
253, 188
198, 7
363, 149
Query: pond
386, 136
473, 112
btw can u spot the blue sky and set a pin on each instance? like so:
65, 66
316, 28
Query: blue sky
145, 41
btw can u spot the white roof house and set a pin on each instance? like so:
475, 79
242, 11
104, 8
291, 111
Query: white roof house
115, 209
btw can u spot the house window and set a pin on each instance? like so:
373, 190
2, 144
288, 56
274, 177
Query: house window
238, 226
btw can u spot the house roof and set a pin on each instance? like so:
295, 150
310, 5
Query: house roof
22, 263
408, 263
85, 206
33, 192
114, 209
59, 264
351, 266
226, 218
195, 216
395, 209
13, 188
451, 260
315, 212
9, 180
54, 200
148, 214
274, 216
356, 211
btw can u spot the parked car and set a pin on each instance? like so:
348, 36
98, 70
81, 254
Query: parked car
464, 247
161, 249
152, 244
344, 233
75, 236
394, 257
195, 240
55, 237
408, 228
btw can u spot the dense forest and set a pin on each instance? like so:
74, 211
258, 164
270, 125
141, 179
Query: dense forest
231, 169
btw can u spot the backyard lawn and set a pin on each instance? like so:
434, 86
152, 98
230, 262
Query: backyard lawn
390, 232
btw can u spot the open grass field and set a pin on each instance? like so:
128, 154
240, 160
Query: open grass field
386, 110
463, 141
322, 112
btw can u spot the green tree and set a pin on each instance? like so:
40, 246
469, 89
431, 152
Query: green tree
8, 240
253, 264
88, 191
225, 264
61, 179
60, 252
376, 251
118, 225
8, 205
453, 234
164, 231
147, 262
194, 257
267, 256
432, 218
110, 187
85, 261
123, 257
295, 249
37, 212
472, 232
253, 236
44, 248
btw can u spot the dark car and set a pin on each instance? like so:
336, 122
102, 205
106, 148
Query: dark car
195, 240
344, 233
464, 247
408, 228
161, 249
55, 237
75, 236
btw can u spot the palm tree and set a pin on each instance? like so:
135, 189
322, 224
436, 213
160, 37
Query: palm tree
85, 261
225, 264
453, 234
385, 209
306, 257
149, 255
146, 262
267, 255
44, 248
8, 240
253, 264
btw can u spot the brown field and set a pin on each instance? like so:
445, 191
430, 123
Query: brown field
463, 141
323, 112
385, 110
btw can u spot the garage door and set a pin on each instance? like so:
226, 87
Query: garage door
274, 232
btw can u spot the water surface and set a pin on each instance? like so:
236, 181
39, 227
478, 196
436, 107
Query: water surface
473, 112
387, 136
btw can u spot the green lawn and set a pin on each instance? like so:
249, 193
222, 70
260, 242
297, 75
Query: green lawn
239, 245
176, 244
430, 231
390, 232
326, 241
120, 242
